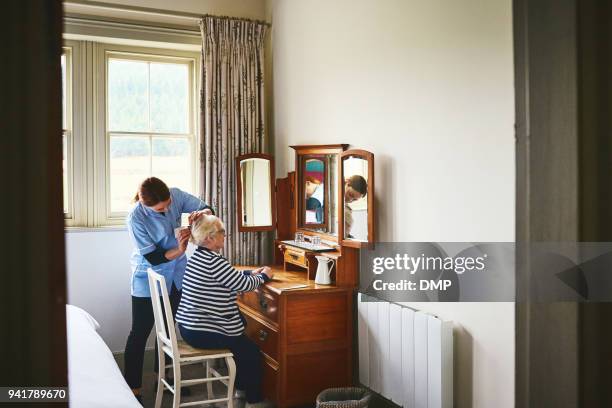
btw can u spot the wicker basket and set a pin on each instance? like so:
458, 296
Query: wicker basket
348, 397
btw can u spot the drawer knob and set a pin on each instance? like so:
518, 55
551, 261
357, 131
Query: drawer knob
263, 335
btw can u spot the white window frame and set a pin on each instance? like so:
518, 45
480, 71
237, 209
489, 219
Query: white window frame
68, 131
105, 51
76, 153
90, 147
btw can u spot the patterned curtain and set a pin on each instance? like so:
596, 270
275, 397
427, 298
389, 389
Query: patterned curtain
232, 122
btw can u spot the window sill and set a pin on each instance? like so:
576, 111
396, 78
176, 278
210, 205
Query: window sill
110, 228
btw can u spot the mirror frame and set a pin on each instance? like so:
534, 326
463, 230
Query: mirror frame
241, 226
369, 157
305, 151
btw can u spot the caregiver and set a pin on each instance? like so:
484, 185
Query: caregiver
151, 224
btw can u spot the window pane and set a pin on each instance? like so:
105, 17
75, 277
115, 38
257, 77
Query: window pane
169, 98
64, 85
171, 162
128, 99
129, 165
65, 171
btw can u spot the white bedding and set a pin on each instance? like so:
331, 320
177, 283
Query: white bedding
94, 379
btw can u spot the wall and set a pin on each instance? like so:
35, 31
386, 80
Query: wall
427, 86
99, 276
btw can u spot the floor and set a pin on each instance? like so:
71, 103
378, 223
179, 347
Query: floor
198, 392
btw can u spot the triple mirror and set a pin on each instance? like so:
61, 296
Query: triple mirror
255, 185
334, 193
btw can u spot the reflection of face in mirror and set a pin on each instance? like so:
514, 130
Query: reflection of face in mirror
314, 191
355, 188
355, 202
255, 181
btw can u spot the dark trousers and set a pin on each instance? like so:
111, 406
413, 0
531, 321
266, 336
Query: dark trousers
143, 321
246, 355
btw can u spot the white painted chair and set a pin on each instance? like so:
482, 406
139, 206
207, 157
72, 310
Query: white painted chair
183, 354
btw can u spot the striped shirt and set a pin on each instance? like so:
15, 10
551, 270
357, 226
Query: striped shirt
208, 302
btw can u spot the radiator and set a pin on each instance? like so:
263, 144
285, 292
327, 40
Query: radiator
405, 355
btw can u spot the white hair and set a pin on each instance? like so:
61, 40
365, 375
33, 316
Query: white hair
205, 227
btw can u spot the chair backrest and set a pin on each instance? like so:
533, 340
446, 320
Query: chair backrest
165, 334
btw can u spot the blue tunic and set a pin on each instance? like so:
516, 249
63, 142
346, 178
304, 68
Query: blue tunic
150, 230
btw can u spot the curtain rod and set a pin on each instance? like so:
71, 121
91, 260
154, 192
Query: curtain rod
194, 17
238, 18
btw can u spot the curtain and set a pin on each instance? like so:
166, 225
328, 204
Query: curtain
232, 122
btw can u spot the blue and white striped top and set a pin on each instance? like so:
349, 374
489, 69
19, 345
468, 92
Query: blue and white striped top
208, 302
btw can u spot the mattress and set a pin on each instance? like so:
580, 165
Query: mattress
94, 379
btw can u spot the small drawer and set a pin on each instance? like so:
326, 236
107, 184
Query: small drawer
265, 337
262, 301
296, 257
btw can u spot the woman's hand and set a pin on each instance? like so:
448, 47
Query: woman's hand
183, 233
184, 241
266, 270
182, 237
197, 214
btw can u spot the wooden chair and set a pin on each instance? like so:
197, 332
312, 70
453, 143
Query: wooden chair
183, 354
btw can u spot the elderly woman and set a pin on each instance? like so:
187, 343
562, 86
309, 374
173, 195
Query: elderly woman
208, 316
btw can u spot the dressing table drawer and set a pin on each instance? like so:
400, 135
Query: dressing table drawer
261, 301
296, 257
264, 336
270, 379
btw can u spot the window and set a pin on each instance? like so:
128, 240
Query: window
66, 61
136, 119
148, 125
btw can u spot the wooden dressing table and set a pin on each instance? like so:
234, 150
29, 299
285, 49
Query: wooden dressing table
305, 335
304, 330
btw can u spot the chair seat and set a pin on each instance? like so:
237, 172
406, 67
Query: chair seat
185, 350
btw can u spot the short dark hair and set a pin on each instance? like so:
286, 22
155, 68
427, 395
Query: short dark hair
358, 184
152, 191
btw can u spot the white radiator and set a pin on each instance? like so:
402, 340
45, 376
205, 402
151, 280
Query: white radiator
405, 355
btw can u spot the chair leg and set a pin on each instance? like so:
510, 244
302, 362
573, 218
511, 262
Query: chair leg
209, 385
231, 372
161, 374
176, 367
160, 390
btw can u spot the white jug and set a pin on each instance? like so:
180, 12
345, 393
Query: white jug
323, 270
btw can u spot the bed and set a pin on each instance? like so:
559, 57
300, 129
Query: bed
94, 379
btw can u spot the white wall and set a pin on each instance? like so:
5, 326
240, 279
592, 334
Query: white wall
99, 278
427, 86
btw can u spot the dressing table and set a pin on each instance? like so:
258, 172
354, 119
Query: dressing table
304, 330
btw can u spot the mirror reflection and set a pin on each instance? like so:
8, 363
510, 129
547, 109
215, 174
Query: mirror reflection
256, 192
320, 193
314, 190
355, 201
